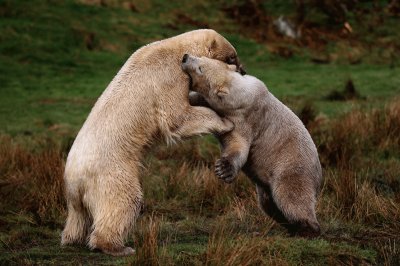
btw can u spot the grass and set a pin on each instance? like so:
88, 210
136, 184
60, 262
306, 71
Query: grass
56, 57
193, 218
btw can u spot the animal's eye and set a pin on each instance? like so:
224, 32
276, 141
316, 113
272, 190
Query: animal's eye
201, 71
231, 59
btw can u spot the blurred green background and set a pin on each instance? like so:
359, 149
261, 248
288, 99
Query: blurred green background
56, 57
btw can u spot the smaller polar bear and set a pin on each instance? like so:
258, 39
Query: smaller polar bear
269, 141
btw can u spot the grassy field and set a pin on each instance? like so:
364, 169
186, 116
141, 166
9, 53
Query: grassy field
56, 57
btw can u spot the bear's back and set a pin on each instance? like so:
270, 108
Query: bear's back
280, 141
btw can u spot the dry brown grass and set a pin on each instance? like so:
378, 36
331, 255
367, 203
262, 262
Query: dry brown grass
228, 246
360, 196
225, 249
32, 180
356, 200
149, 251
191, 182
359, 152
358, 134
389, 252
244, 216
201, 189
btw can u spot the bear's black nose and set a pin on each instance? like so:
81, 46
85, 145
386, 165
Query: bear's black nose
185, 57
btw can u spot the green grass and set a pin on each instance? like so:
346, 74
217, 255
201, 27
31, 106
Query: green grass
50, 78
56, 58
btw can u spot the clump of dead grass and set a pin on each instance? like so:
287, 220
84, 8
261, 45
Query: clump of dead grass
201, 190
357, 200
243, 215
348, 139
149, 251
32, 180
224, 248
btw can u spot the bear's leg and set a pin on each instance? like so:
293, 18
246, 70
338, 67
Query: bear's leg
115, 210
235, 150
296, 201
201, 120
267, 204
77, 226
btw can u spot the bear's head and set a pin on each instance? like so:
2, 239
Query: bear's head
220, 84
221, 49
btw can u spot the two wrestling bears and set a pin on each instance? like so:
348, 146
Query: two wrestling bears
150, 97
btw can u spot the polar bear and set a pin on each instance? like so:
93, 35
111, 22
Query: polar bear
269, 141
147, 99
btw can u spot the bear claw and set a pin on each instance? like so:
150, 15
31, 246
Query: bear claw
224, 170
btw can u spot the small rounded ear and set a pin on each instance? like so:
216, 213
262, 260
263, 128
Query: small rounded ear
232, 67
221, 92
212, 45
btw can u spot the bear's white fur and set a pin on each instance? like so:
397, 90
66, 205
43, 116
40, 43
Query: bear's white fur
269, 141
148, 98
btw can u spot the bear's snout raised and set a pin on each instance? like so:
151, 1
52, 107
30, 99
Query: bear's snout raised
187, 63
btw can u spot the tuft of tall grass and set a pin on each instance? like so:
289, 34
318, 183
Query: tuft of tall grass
224, 248
357, 200
146, 241
390, 252
199, 189
244, 216
359, 134
32, 180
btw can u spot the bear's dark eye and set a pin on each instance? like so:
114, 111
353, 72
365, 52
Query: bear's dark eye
201, 71
231, 60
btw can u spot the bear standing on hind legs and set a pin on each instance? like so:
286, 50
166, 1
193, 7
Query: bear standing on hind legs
147, 98
269, 141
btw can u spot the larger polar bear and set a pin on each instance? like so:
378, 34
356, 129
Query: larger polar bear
148, 98
269, 141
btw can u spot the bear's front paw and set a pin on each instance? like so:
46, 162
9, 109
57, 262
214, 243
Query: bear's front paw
225, 170
228, 126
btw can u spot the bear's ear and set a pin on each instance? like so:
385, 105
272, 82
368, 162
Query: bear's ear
221, 92
212, 45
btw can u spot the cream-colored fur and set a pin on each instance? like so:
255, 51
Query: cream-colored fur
269, 141
148, 98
